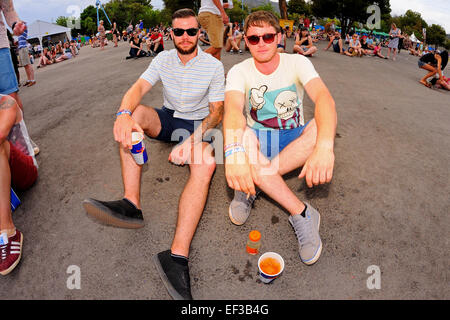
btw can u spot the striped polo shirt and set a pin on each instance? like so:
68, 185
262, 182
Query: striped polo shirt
188, 89
22, 39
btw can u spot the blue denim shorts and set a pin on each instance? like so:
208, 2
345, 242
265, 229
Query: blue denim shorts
272, 142
8, 80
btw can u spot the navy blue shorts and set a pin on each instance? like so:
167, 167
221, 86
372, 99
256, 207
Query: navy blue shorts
174, 129
8, 80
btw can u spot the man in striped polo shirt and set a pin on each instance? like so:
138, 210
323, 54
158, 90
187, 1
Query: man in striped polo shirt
24, 58
193, 83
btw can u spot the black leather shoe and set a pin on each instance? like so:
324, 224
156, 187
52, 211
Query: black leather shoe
121, 213
174, 275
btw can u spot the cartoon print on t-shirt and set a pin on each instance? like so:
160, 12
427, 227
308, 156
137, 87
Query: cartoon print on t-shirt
278, 109
257, 97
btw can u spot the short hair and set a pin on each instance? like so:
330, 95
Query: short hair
261, 17
184, 13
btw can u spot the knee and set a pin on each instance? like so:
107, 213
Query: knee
139, 114
204, 171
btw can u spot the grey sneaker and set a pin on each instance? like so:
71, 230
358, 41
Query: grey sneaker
240, 207
307, 231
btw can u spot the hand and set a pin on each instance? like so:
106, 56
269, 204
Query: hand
318, 168
19, 28
239, 174
181, 153
225, 18
123, 127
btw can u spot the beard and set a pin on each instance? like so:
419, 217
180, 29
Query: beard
187, 51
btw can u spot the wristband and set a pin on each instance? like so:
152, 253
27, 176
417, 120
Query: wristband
228, 146
234, 150
125, 111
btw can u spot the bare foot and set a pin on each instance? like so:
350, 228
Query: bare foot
426, 84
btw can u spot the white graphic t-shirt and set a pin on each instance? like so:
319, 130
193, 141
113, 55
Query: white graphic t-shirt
273, 101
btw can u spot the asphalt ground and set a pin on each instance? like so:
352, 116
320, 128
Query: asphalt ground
387, 205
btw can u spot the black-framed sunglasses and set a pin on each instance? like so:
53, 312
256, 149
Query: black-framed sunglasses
268, 38
178, 32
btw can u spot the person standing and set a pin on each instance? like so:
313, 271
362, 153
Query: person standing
212, 17
394, 35
24, 58
101, 34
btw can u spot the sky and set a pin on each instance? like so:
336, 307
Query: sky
432, 11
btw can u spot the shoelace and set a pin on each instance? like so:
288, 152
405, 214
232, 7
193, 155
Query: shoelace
242, 197
303, 230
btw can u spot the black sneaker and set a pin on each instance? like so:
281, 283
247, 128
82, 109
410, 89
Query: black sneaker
121, 213
174, 275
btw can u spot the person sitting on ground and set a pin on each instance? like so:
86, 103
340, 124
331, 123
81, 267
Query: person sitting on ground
304, 44
136, 50
204, 37
229, 42
183, 71
155, 44
281, 45
354, 48
266, 135
443, 83
370, 42
313, 34
18, 170
63, 54
377, 50
336, 42
365, 47
434, 63
45, 58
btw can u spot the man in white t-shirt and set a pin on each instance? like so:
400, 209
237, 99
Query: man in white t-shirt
212, 17
274, 138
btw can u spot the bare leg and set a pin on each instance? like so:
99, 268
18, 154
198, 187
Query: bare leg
432, 72
192, 202
30, 72
149, 121
269, 173
6, 222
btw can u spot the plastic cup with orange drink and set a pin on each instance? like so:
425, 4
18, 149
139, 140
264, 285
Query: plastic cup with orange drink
270, 266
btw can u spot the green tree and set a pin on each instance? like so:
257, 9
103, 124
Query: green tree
266, 7
347, 11
174, 5
298, 6
410, 22
237, 13
436, 35
62, 21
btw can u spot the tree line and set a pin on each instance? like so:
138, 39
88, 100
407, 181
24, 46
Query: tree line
349, 13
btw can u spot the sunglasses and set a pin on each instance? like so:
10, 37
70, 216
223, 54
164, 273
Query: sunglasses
268, 38
178, 32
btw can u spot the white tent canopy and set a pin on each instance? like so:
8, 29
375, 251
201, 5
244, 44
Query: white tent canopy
40, 29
